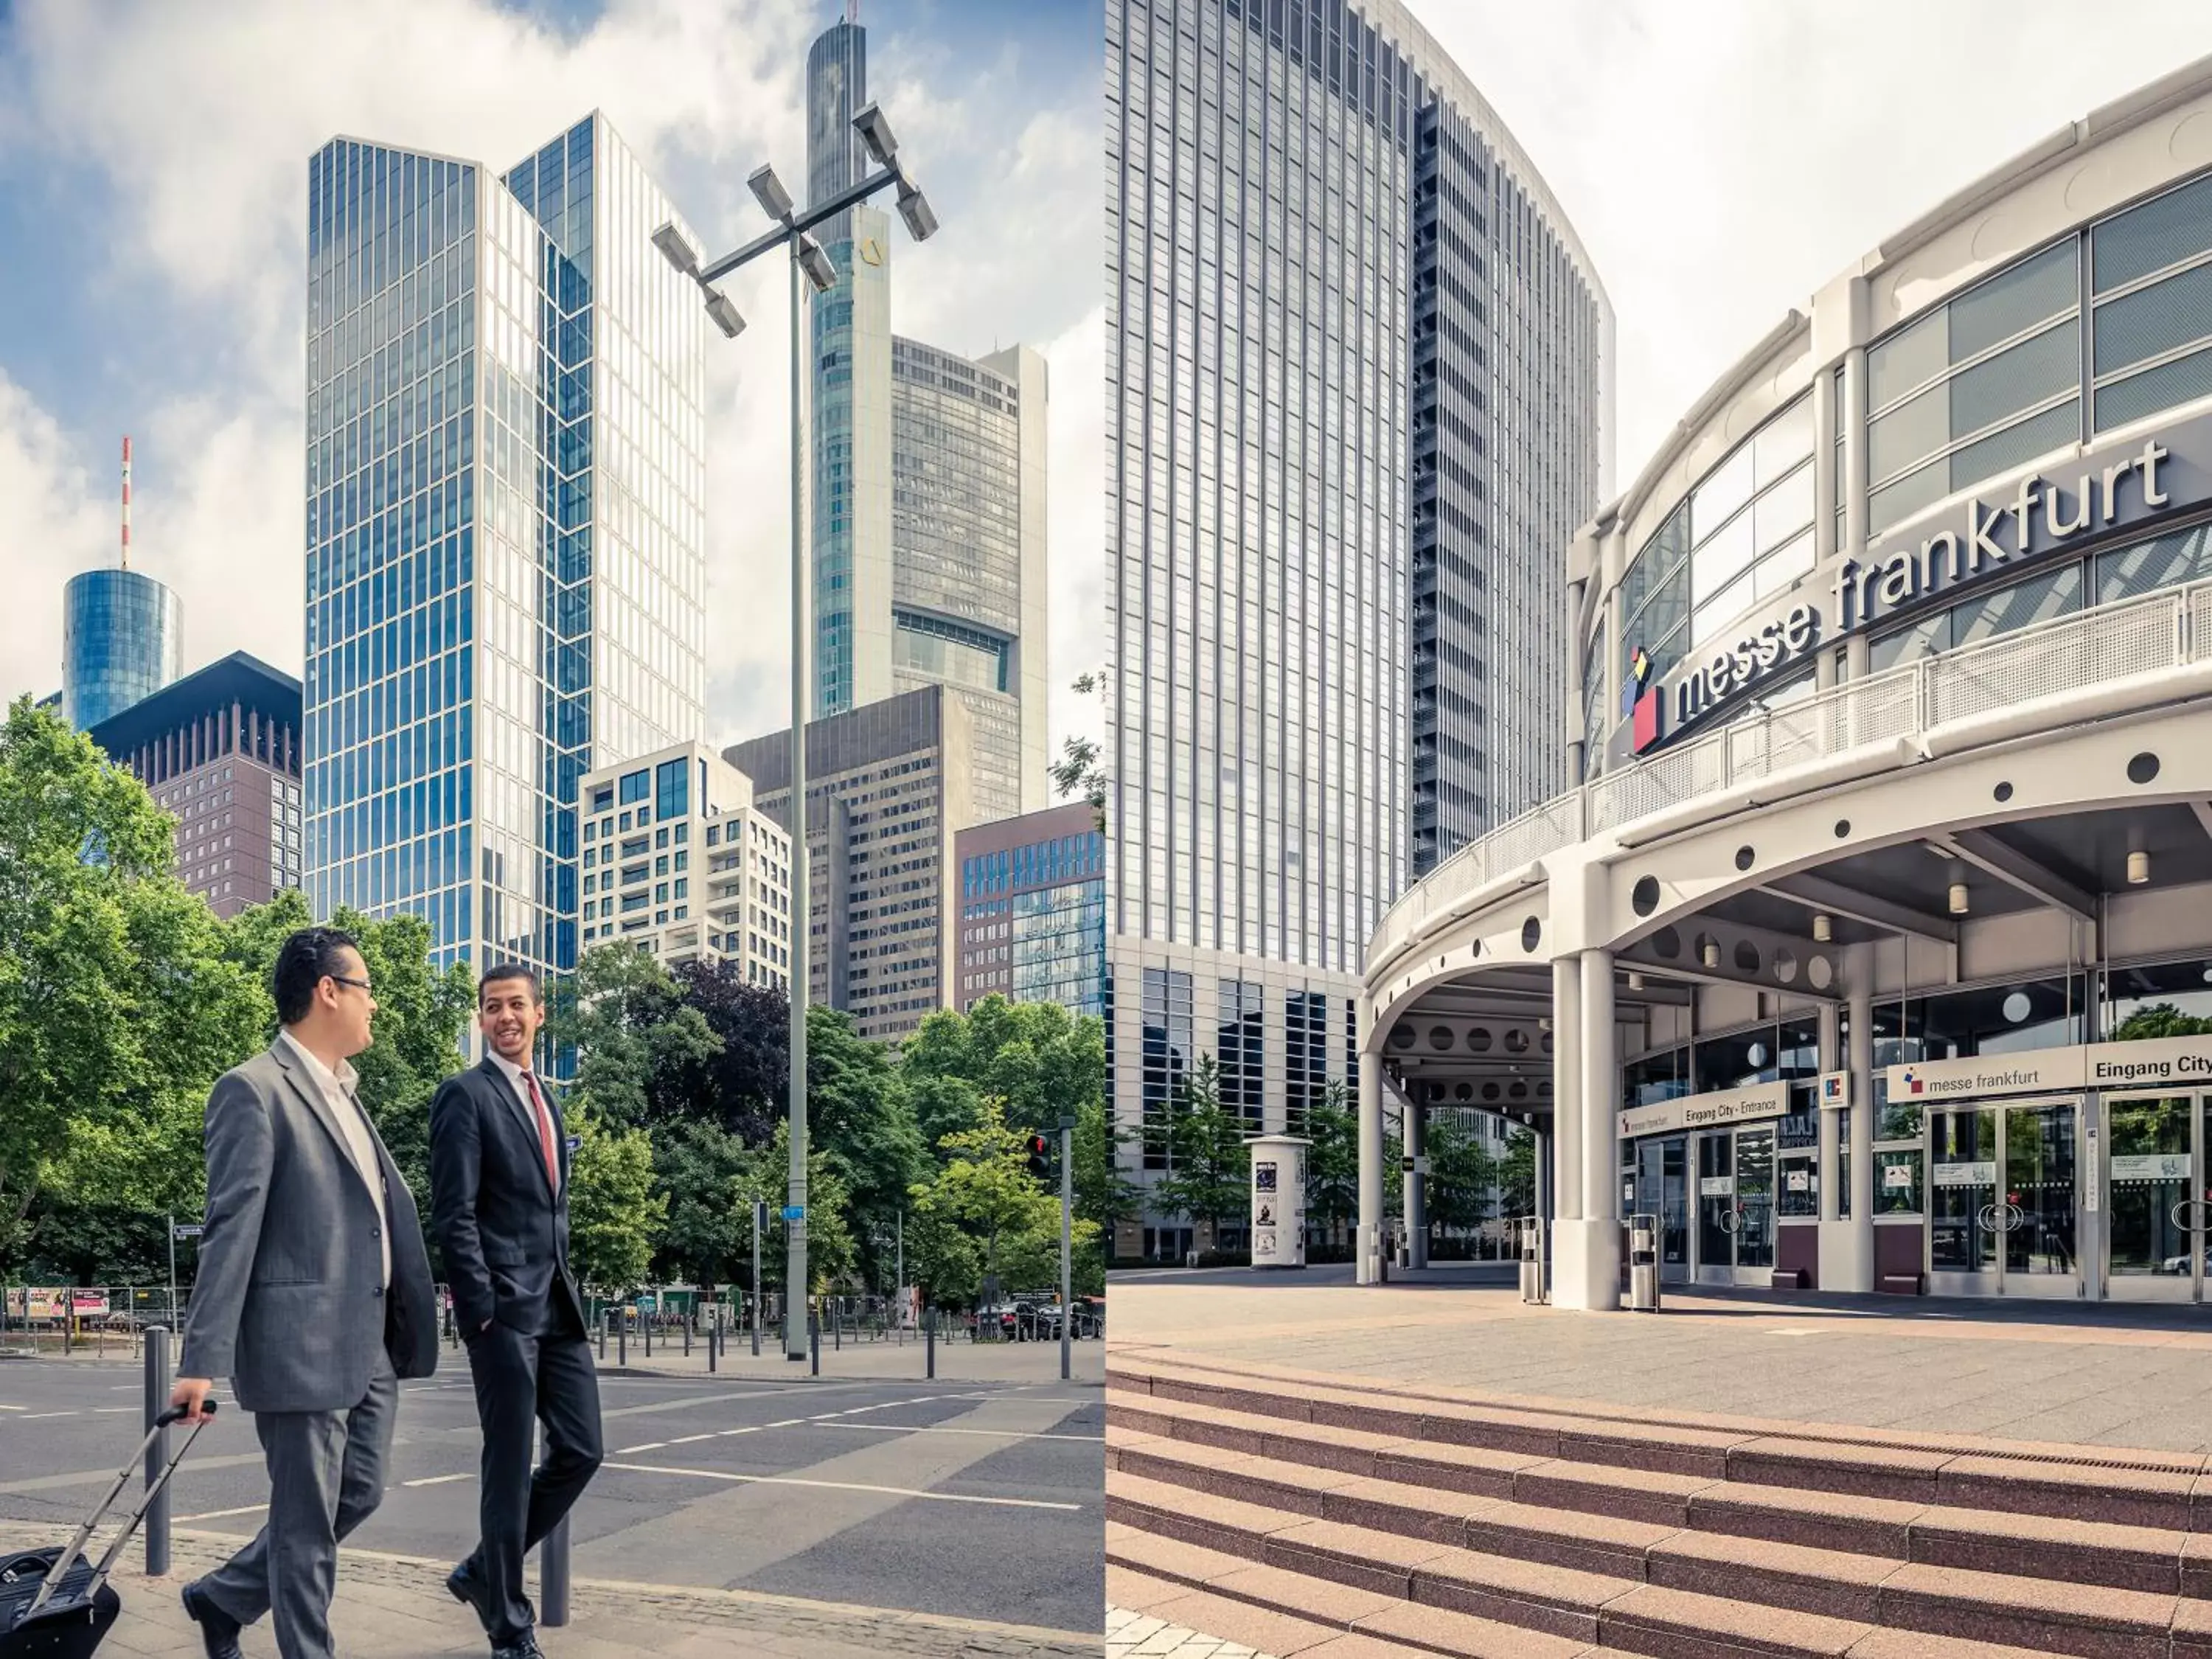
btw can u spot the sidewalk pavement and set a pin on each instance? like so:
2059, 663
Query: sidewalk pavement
2103, 1375
1138, 1636
395, 1607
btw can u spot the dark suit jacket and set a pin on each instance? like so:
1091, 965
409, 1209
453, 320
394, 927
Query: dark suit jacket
504, 1231
287, 1302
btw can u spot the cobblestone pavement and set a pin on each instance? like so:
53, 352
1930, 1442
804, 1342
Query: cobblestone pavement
394, 1606
1138, 1636
2095, 1374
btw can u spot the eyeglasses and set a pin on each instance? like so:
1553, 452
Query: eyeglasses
358, 984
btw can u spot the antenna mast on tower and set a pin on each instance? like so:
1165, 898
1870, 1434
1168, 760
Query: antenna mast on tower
127, 501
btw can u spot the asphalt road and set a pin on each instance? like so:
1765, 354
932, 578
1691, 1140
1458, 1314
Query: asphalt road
980, 1500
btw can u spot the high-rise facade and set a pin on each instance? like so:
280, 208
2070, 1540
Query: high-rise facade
679, 862
505, 530
888, 788
1358, 374
929, 486
123, 638
219, 750
1033, 910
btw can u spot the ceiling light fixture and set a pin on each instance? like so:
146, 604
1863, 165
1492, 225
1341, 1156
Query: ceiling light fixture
1957, 898
1712, 953
1824, 928
2138, 869
1636, 981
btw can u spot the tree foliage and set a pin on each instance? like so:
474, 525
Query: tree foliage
117, 1009
1209, 1167
633, 1033
1080, 770
614, 1214
985, 1185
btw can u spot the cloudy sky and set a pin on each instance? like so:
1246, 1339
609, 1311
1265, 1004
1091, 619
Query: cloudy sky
1721, 159
153, 191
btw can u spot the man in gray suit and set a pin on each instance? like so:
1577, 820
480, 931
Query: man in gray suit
313, 1296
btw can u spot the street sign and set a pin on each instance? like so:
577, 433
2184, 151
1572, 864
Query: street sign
794, 1213
574, 1142
190, 1230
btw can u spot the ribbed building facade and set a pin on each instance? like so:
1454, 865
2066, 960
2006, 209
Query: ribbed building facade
1358, 379
506, 563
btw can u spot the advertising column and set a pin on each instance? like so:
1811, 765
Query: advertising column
1278, 1200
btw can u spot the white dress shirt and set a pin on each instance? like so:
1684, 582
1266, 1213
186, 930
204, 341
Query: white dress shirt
337, 1088
534, 1103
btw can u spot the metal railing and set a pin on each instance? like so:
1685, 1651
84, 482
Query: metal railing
2164, 630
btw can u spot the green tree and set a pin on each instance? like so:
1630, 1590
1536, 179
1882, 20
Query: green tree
1103, 1195
862, 1129
1460, 1176
1517, 1172
117, 1009
2159, 1019
1038, 1060
706, 1173
1332, 1162
942, 1259
614, 1214
1209, 1167
985, 1185
832, 1256
1080, 771
633, 1033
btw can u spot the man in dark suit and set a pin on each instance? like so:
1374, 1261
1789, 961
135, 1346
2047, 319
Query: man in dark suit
499, 1197
314, 1296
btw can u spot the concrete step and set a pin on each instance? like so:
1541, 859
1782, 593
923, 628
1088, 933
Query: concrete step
1231, 1597
1302, 1458
1512, 1564
2133, 1489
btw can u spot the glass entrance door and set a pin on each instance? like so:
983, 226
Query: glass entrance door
2001, 1213
2154, 1240
1736, 1207
1662, 1189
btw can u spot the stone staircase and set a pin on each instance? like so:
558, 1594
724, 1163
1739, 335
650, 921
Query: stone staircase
1349, 1523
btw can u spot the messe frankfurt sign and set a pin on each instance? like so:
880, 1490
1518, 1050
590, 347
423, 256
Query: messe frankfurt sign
2154, 1063
1985, 538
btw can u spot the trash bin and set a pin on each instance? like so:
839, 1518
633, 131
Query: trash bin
1531, 1229
1643, 1263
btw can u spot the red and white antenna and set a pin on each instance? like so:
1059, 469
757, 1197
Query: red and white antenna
126, 502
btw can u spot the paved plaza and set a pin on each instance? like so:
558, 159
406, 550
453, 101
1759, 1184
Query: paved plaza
2091, 1374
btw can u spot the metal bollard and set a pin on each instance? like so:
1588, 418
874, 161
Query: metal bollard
756, 1324
929, 1340
605, 1319
714, 1340
553, 1575
813, 1339
686, 1336
645, 1325
157, 1455
622, 1340
837, 1324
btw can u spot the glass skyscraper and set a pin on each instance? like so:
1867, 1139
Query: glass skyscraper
1359, 382
122, 639
505, 528
929, 486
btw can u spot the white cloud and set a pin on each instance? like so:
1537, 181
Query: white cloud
201, 118
50, 529
1722, 159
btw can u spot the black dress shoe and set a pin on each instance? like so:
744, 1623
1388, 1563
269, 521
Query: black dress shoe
523, 1647
218, 1630
465, 1587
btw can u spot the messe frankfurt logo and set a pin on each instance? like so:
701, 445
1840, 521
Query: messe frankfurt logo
1914, 1083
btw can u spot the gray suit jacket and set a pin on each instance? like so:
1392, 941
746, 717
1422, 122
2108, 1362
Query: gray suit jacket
286, 1303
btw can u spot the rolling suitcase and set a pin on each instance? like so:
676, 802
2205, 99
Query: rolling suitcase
56, 1604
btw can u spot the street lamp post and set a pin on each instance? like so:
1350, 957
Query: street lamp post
793, 230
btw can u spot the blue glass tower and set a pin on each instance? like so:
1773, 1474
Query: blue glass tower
123, 638
504, 402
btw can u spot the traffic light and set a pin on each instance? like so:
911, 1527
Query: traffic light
1040, 1157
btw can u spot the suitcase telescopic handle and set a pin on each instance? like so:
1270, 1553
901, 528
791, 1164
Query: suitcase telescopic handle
68, 1557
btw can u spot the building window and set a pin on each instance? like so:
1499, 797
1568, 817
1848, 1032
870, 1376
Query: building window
1242, 1038
635, 786
1166, 1057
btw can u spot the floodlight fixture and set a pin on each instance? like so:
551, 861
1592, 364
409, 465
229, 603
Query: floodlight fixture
816, 264
768, 192
875, 129
724, 311
913, 207
677, 249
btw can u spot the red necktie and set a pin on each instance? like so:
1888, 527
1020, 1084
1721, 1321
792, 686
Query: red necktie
544, 1133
